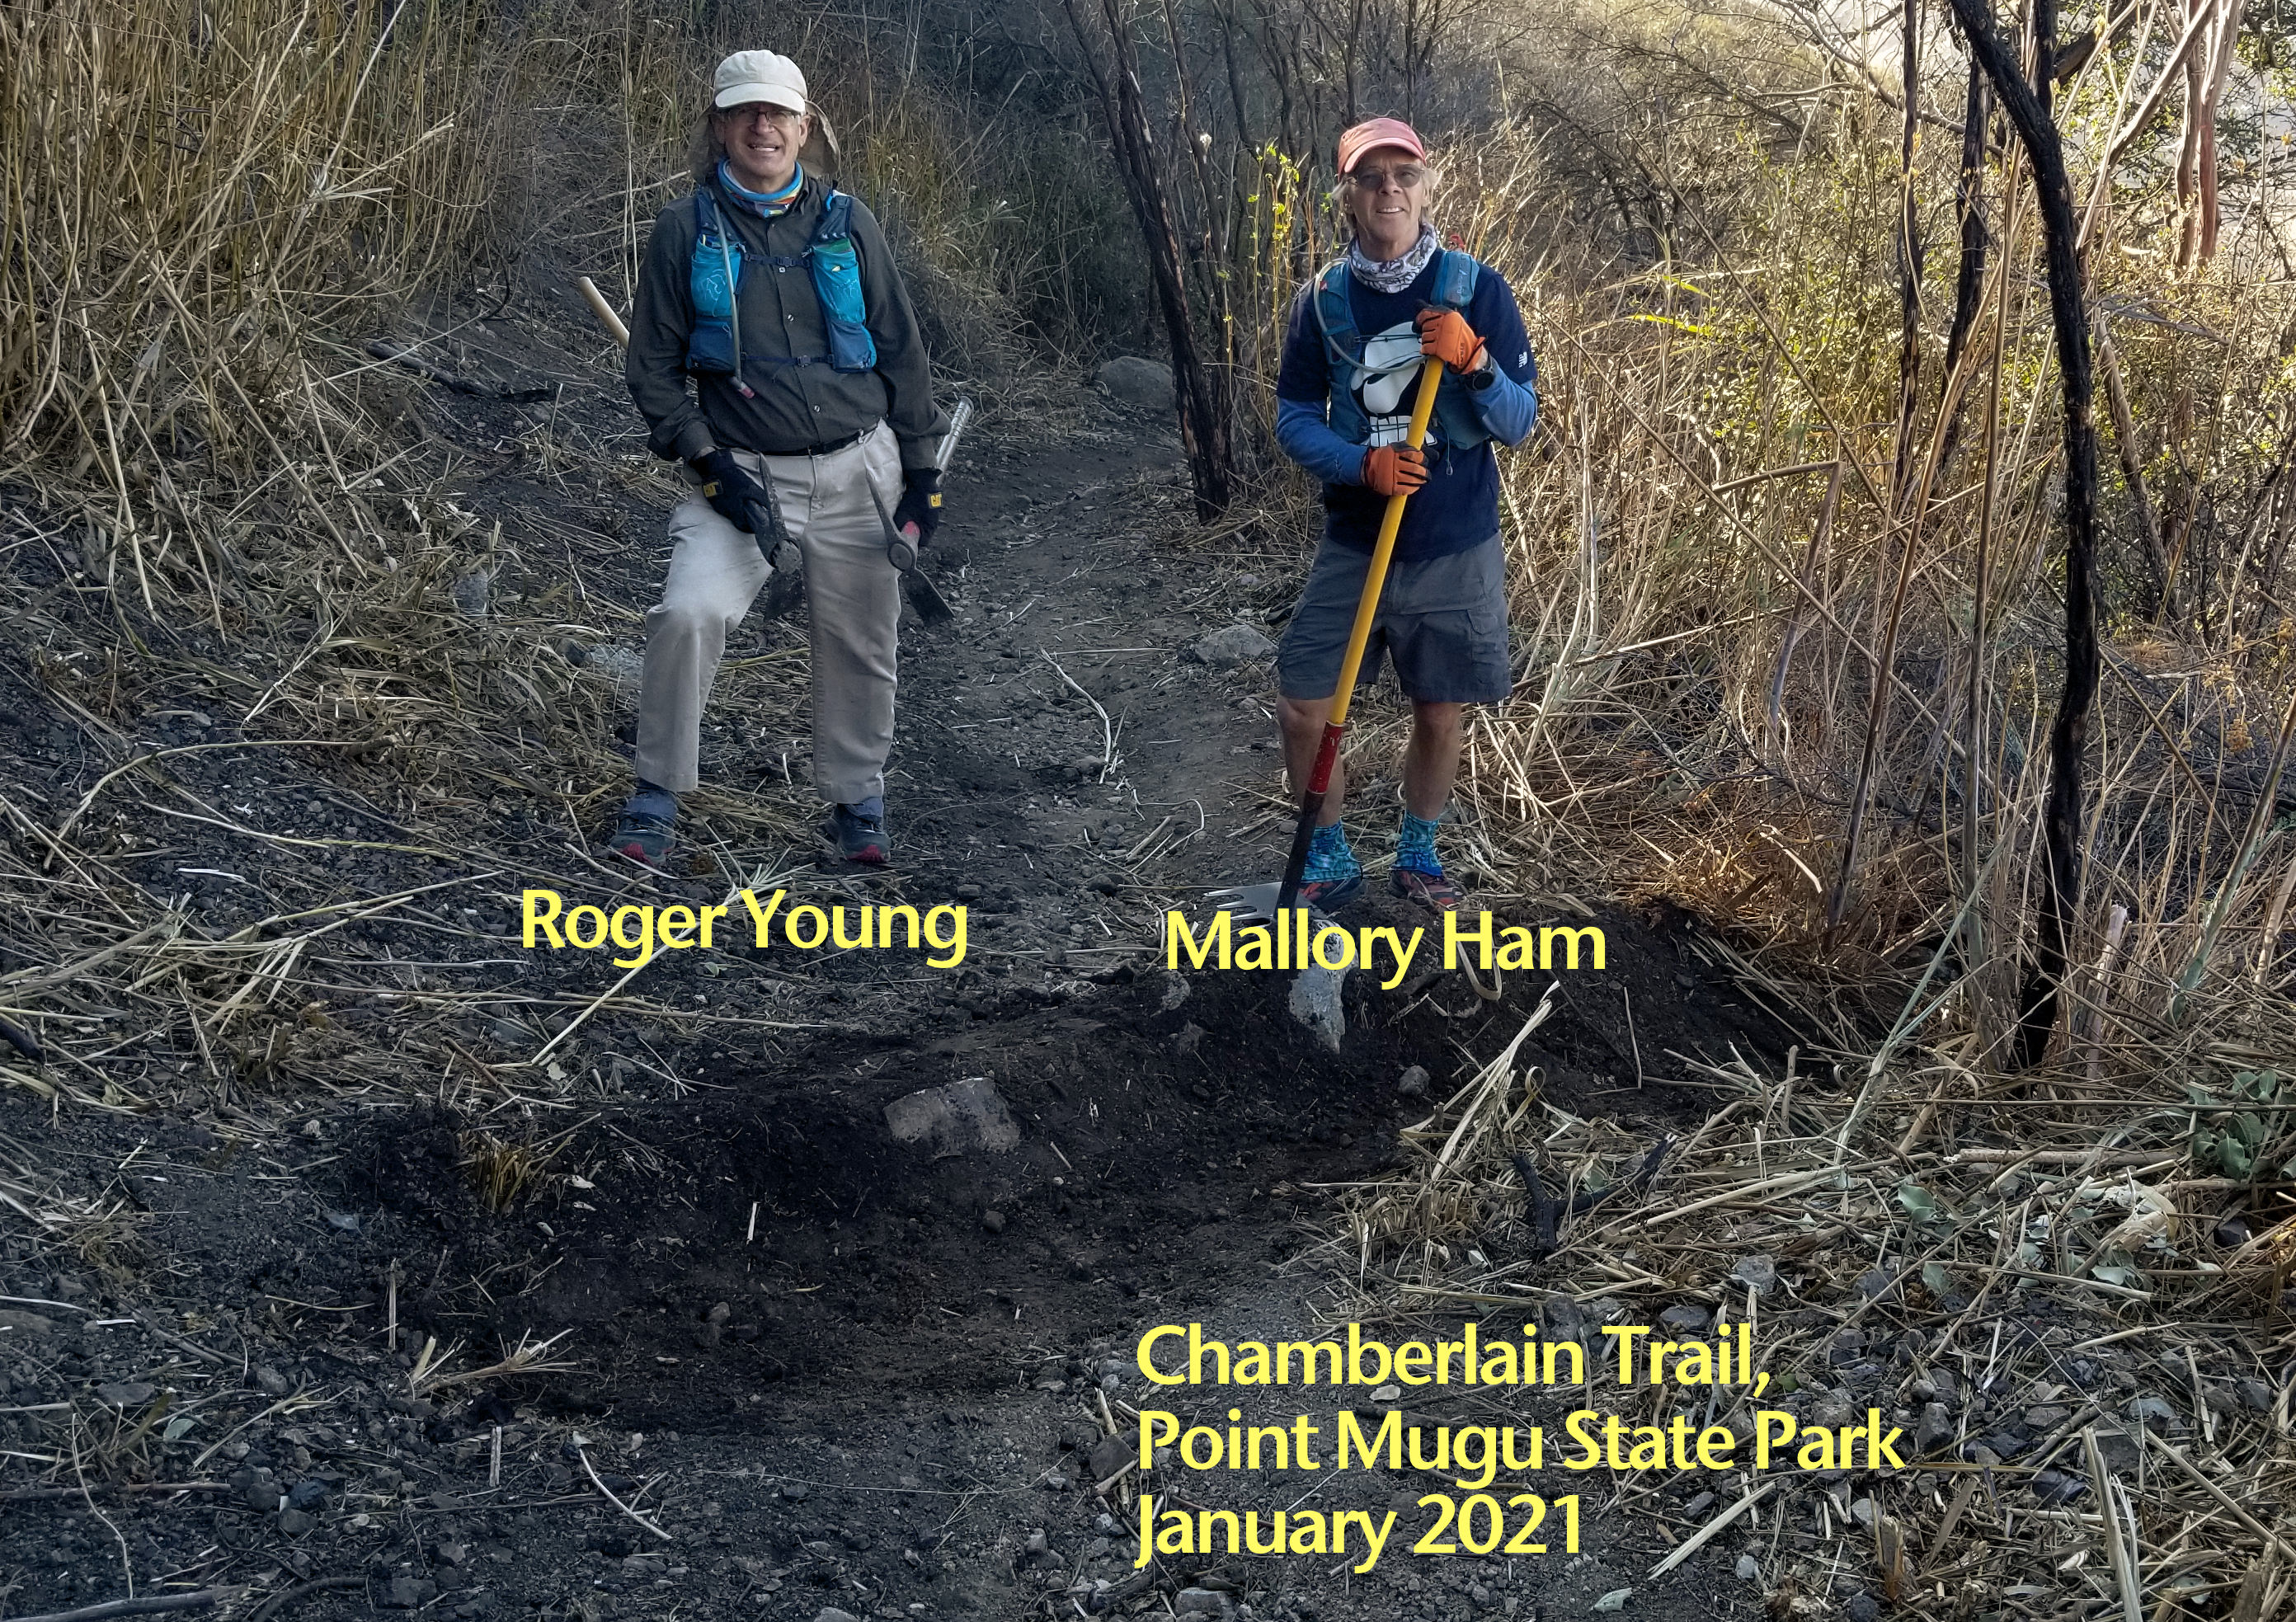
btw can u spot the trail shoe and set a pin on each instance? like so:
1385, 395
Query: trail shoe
1418, 871
648, 829
1328, 896
857, 831
1430, 890
1332, 877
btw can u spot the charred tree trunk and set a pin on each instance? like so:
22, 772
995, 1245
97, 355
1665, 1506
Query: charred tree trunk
1901, 472
1244, 136
2027, 104
1211, 237
1909, 262
1969, 208
1203, 428
1969, 280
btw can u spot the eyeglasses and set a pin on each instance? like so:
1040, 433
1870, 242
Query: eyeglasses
1373, 180
766, 110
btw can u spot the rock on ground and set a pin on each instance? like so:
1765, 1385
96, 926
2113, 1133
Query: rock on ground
472, 593
1233, 645
958, 1118
1133, 379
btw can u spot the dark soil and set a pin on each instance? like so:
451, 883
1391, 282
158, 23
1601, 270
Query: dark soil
834, 1370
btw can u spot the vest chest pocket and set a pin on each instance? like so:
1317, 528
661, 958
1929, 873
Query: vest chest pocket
837, 282
713, 281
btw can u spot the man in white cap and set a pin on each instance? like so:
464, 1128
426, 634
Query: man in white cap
773, 350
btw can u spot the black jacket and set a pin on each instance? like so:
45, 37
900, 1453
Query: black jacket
793, 408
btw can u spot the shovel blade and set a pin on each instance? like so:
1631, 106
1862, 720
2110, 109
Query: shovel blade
1251, 901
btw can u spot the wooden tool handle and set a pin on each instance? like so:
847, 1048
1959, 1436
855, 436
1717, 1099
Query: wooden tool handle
605, 311
1390, 523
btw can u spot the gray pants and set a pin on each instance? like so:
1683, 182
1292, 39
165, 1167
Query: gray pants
853, 596
1443, 620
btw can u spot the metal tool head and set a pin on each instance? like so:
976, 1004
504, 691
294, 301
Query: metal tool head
784, 593
1254, 902
901, 551
925, 597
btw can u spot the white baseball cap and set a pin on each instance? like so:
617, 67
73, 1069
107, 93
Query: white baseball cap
759, 75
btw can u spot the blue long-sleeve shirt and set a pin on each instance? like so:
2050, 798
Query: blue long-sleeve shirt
1458, 507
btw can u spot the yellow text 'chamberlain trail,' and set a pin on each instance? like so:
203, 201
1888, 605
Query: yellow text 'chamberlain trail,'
642, 931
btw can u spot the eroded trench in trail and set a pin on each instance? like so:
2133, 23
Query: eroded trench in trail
764, 1232
706, 1217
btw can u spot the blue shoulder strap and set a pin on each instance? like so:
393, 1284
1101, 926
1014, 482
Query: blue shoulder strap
1455, 289
835, 225
1335, 314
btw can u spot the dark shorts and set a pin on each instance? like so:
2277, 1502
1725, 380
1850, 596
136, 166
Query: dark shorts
1443, 621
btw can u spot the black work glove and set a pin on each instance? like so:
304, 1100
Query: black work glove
920, 508
728, 486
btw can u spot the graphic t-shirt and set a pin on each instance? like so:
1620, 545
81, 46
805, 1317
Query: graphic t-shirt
1458, 507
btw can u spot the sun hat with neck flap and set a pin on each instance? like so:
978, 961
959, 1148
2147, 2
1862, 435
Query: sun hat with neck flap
1374, 133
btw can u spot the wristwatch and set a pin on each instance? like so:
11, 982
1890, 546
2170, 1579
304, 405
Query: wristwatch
1483, 376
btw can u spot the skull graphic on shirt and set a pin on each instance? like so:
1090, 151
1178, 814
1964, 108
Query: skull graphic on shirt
1384, 382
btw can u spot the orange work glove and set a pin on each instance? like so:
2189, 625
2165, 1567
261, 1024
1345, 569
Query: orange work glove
1393, 469
1446, 335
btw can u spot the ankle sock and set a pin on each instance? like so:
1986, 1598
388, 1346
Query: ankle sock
651, 799
1414, 846
869, 810
1329, 857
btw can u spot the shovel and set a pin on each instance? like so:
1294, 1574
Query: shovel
1270, 901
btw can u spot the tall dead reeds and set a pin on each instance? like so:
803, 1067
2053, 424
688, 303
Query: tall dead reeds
1788, 540
188, 189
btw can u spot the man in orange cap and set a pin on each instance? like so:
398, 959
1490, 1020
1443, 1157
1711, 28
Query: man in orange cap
1359, 334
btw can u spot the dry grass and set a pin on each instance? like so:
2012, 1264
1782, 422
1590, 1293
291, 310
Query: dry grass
1871, 1271
97, 1225
221, 504
190, 189
529, 1356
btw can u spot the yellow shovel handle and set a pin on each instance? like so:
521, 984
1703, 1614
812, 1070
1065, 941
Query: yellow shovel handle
1422, 408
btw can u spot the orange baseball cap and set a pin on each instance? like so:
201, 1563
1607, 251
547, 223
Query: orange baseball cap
1373, 133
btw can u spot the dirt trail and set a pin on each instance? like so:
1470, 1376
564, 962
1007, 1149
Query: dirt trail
838, 1371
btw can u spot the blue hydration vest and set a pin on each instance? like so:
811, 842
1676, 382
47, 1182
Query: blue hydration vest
1455, 413
714, 275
